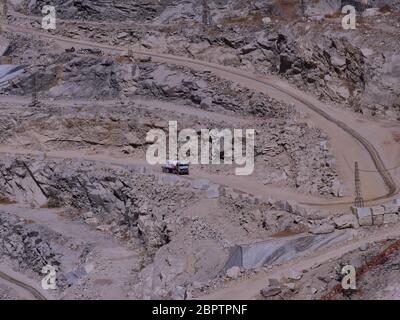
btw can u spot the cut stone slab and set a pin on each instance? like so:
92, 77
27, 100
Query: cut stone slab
9, 72
295, 275
390, 218
367, 52
377, 215
364, 216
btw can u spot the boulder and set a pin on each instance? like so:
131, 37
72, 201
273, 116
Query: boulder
104, 228
233, 272
338, 61
270, 292
267, 20
206, 103
314, 290
295, 275
178, 293
88, 215
128, 150
323, 229
364, 216
92, 221
291, 286
346, 221
283, 205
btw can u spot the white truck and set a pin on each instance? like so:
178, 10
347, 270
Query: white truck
174, 166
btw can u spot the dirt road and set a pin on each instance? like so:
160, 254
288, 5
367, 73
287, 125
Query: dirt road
21, 285
353, 137
112, 262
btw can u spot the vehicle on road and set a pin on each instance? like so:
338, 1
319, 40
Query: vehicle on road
174, 166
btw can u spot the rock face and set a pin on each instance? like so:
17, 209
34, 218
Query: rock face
280, 250
378, 215
103, 9
288, 152
27, 245
82, 78
127, 198
175, 10
351, 69
390, 218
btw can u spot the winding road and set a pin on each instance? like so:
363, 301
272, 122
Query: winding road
340, 125
21, 284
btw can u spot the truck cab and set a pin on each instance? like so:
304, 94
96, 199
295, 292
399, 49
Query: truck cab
177, 167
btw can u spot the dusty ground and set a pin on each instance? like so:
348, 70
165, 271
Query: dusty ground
76, 190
